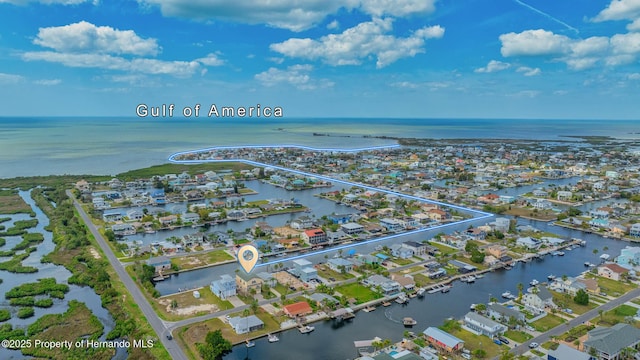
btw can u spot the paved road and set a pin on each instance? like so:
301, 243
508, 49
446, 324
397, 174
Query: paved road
591, 314
156, 323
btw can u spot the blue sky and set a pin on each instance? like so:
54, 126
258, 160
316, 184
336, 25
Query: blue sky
323, 58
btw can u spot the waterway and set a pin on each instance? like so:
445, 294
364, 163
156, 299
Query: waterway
46, 270
332, 341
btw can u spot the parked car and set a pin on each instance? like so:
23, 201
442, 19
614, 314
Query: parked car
504, 340
533, 345
498, 342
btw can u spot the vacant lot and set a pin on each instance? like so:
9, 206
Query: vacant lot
359, 292
203, 259
547, 323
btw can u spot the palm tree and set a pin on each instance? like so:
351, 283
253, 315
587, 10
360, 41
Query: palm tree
254, 306
520, 288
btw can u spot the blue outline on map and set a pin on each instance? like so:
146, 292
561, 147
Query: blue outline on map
483, 215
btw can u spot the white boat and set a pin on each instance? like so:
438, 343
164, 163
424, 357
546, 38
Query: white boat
471, 279
435, 289
445, 289
587, 264
420, 292
473, 307
507, 295
272, 338
605, 256
551, 277
402, 298
534, 282
249, 343
408, 321
306, 329
479, 276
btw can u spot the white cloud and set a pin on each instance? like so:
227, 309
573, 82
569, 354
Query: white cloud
294, 15
109, 62
635, 25
48, 82
620, 10
527, 71
46, 2
10, 78
405, 85
525, 93
295, 75
633, 76
366, 39
533, 42
86, 37
333, 25
211, 60
493, 66
626, 43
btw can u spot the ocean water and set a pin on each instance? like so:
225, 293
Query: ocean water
44, 146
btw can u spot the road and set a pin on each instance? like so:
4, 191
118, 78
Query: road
587, 316
156, 323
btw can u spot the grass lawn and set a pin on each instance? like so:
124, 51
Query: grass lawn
566, 301
416, 269
474, 342
202, 259
359, 292
636, 301
178, 168
612, 287
327, 273
421, 280
518, 336
540, 215
444, 249
188, 305
617, 315
12, 203
537, 352
576, 333
402, 262
547, 323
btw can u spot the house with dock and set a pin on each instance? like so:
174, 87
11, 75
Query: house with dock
480, 325
442, 340
159, 263
248, 283
243, 325
224, 288
503, 313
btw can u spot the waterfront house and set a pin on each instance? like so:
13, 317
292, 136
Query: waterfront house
304, 270
352, 228
303, 222
443, 340
406, 282
497, 251
168, 220
542, 204
417, 248
111, 215
476, 234
190, 218
570, 286
564, 195
528, 242
612, 271
339, 218
224, 288
340, 265
629, 257
267, 279
391, 224
609, 343
399, 250
321, 298
248, 283
243, 325
314, 236
159, 263
634, 230
301, 308
538, 301
462, 267
135, 214
503, 313
565, 352
502, 224
481, 325
123, 229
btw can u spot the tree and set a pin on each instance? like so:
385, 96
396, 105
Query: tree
174, 303
215, 346
254, 306
581, 298
480, 353
481, 307
507, 355
520, 288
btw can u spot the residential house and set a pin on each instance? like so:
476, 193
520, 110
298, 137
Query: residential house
443, 340
538, 300
399, 250
564, 195
629, 257
528, 242
570, 286
111, 215
303, 222
168, 220
135, 214
267, 279
190, 218
497, 251
391, 224
634, 230
340, 264
609, 343
565, 352
503, 313
224, 288
476, 234
612, 271
123, 229
243, 325
418, 249
352, 228
314, 236
159, 263
481, 325
438, 215
320, 298
304, 270
542, 204
301, 308
248, 283
406, 282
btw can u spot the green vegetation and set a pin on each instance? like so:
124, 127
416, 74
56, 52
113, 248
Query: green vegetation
15, 264
179, 168
4, 315
581, 298
29, 239
144, 274
25, 312
214, 346
359, 292
43, 286
11, 202
203, 259
518, 336
72, 251
547, 323
612, 287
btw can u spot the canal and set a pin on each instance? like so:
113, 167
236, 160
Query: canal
332, 341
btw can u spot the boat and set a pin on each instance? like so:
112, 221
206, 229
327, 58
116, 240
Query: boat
587, 264
534, 282
551, 277
306, 329
479, 276
386, 303
473, 307
471, 279
463, 278
508, 267
435, 289
560, 253
412, 295
507, 294
402, 298
420, 292
369, 309
445, 289
272, 338
249, 343
408, 321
